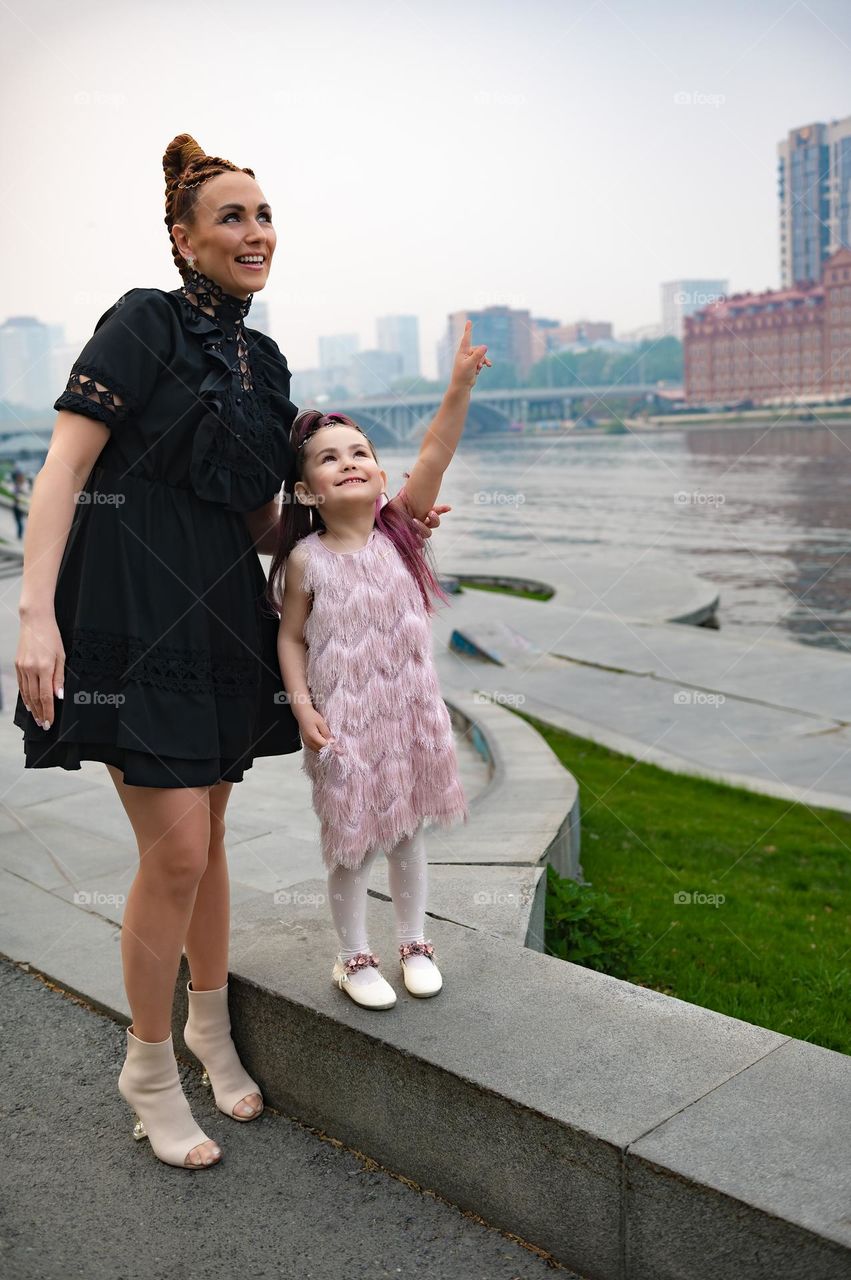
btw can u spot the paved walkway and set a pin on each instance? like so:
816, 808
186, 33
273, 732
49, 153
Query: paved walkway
772, 716
78, 1197
652, 588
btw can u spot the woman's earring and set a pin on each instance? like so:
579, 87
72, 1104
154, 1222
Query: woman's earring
190, 261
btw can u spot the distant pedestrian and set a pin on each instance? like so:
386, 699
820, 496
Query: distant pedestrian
19, 490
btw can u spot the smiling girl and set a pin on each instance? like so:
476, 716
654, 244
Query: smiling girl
355, 652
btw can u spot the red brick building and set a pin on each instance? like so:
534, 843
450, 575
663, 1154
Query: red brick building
780, 345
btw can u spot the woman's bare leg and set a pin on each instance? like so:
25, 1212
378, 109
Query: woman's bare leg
209, 929
209, 926
172, 829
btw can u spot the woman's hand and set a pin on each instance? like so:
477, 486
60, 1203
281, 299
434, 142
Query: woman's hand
40, 665
432, 521
315, 733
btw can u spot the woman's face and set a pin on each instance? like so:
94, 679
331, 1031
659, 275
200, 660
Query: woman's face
232, 222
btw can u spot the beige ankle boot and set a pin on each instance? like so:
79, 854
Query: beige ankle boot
207, 1034
150, 1084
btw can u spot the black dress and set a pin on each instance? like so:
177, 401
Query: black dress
171, 668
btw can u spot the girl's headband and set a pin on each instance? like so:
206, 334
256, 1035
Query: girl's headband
323, 423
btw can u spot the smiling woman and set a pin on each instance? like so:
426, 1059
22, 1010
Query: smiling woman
150, 647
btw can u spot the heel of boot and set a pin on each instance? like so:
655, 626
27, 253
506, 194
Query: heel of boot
150, 1085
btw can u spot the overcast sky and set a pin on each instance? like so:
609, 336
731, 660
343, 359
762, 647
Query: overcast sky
419, 157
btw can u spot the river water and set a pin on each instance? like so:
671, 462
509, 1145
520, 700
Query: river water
763, 513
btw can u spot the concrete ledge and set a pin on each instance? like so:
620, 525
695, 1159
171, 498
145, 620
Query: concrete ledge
530, 793
79, 950
11, 561
592, 1117
754, 1169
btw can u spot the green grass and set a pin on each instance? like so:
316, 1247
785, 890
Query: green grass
777, 951
506, 591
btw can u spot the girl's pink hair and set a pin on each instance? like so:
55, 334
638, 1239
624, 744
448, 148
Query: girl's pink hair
297, 521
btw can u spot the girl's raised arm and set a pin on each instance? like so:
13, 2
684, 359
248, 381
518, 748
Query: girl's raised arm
444, 432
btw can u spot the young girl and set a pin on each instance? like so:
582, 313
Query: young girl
354, 645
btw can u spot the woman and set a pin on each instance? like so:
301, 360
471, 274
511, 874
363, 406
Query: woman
142, 595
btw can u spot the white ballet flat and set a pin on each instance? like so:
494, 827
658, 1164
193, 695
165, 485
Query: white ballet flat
377, 994
419, 981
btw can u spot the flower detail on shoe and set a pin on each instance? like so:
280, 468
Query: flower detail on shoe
416, 949
360, 961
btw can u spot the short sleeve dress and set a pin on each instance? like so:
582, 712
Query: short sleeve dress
171, 668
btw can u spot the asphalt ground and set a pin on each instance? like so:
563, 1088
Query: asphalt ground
79, 1197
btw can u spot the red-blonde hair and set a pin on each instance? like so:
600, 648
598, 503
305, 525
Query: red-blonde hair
186, 166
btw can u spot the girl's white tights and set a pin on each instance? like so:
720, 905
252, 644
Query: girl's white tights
407, 874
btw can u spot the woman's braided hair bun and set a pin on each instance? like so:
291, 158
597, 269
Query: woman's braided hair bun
186, 167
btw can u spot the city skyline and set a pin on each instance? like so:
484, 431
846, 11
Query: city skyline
625, 147
35, 357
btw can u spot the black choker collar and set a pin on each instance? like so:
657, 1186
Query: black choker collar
202, 292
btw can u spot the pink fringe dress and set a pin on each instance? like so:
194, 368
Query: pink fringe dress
371, 676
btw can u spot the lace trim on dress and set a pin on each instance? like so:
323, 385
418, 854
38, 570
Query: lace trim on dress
227, 310
240, 450
103, 397
242, 359
101, 654
205, 293
241, 367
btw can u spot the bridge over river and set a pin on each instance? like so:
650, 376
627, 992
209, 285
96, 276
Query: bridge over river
397, 419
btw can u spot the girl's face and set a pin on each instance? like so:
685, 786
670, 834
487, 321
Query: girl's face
340, 471
232, 221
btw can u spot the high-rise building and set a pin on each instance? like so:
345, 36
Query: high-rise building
681, 298
544, 340
814, 190
583, 331
508, 335
62, 357
643, 333
258, 316
316, 385
337, 349
401, 334
25, 365
372, 373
